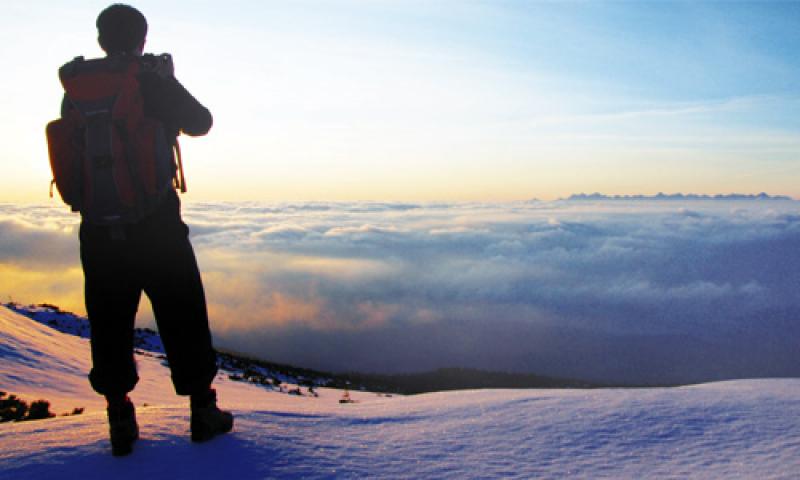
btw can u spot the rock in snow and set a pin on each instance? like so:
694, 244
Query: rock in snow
736, 429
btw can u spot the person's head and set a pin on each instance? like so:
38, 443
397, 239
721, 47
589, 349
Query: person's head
121, 29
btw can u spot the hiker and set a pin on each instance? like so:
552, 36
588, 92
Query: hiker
145, 248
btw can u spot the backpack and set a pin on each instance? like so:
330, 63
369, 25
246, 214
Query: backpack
110, 162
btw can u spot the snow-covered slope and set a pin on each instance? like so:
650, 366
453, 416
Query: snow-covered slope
740, 429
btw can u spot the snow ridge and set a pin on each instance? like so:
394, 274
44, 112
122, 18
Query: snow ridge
735, 429
147, 342
69, 323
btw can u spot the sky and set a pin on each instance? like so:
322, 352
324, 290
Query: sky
364, 199
443, 101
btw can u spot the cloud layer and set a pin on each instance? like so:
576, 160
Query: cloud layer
615, 290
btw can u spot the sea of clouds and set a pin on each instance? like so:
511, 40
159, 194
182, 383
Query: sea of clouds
614, 290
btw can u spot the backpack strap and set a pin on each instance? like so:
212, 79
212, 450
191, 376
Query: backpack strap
180, 179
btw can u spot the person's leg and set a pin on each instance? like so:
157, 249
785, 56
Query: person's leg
173, 284
175, 289
176, 292
112, 298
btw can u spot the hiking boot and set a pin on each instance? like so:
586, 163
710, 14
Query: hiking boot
207, 419
122, 427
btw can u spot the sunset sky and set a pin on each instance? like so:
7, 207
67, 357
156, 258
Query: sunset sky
446, 100
364, 199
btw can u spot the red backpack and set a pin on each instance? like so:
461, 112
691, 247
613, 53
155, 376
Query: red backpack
110, 162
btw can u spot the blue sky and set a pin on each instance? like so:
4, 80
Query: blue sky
449, 100
450, 107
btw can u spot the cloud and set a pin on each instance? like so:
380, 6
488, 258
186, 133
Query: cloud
624, 291
37, 243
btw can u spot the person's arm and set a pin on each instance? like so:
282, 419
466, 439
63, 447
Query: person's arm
167, 100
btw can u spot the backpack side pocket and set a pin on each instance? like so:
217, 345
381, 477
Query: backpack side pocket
65, 146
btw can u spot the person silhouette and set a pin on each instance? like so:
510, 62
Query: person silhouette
151, 255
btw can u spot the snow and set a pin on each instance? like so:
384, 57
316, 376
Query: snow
735, 429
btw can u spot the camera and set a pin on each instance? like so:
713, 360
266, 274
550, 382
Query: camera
160, 64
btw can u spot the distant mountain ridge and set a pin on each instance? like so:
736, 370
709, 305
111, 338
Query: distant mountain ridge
677, 196
277, 376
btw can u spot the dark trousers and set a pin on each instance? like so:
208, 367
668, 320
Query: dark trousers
153, 256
